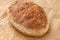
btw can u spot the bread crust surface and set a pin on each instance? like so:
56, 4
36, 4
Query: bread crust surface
29, 18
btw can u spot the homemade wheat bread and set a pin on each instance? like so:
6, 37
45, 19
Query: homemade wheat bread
29, 18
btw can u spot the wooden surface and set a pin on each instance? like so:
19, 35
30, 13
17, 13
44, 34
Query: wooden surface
52, 8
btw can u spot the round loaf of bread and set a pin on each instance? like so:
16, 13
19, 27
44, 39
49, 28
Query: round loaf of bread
29, 18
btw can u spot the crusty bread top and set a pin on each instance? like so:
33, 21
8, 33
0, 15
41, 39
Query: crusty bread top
28, 15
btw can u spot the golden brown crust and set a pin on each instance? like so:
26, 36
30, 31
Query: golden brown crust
29, 16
